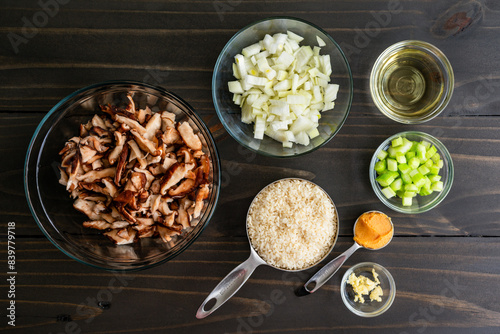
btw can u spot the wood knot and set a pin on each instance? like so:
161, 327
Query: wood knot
63, 318
457, 19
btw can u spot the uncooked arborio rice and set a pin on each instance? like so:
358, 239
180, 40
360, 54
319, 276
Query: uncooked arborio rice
292, 224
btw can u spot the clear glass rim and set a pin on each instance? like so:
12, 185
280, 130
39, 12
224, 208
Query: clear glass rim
439, 198
216, 70
94, 260
443, 62
392, 289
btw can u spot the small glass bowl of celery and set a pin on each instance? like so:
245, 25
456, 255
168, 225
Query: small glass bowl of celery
411, 172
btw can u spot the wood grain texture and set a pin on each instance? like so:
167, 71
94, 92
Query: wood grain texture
445, 262
57, 61
341, 168
165, 298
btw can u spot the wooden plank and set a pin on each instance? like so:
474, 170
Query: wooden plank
51, 72
444, 285
444, 261
341, 168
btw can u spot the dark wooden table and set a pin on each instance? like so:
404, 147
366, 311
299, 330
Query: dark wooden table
446, 262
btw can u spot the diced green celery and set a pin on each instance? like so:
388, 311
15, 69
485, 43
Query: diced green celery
392, 152
397, 184
404, 168
387, 178
388, 192
410, 155
436, 157
437, 186
411, 187
425, 192
427, 183
392, 165
435, 170
397, 142
426, 144
423, 170
421, 150
382, 155
413, 172
407, 201
406, 178
414, 163
430, 152
405, 147
380, 166
409, 168
400, 158
418, 179
434, 177
409, 194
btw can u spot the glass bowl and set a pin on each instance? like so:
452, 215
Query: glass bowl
51, 204
368, 308
420, 203
230, 114
411, 82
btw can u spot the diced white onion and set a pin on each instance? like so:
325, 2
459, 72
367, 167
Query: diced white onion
255, 81
320, 41
294, 37
283, 87
251, 50
240, 63
235, 87
296, 99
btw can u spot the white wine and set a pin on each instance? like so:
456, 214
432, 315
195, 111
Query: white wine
409, 84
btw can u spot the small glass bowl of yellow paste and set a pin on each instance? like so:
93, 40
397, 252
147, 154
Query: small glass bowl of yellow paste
368, 289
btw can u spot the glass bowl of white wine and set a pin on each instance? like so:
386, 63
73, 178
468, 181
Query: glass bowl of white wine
411, 82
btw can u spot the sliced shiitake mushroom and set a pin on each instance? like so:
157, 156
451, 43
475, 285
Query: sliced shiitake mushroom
136, 174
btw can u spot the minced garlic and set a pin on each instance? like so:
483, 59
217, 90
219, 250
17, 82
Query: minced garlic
362, 285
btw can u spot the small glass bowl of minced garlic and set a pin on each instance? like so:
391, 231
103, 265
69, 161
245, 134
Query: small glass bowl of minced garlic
368, 289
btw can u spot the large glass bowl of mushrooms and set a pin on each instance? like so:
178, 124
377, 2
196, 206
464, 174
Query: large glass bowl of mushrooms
122, 175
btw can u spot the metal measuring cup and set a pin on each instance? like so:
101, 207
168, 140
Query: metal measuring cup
239, 275
325, 273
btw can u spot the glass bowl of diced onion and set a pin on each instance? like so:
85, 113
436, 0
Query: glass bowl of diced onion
411, 172
282, 87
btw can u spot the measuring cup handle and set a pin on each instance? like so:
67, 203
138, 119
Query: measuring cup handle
228, 286
323, 275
